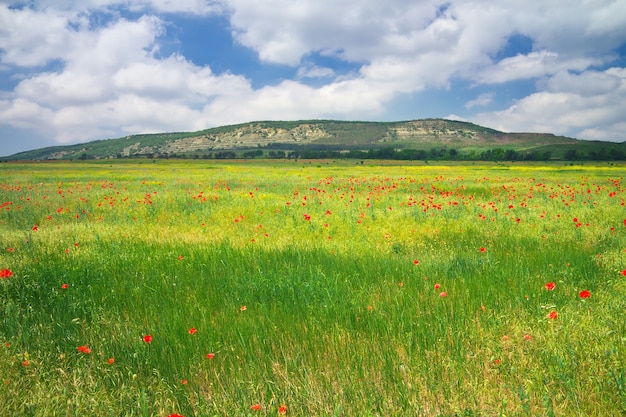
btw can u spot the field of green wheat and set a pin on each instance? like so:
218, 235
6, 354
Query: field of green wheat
312, 289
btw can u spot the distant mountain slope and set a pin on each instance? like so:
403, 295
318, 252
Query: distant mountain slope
313, 134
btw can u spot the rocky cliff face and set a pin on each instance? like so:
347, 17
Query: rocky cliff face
250, 136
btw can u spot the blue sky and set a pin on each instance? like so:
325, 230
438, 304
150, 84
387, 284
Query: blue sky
72, 71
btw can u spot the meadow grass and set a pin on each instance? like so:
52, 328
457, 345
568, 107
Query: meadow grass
328, 289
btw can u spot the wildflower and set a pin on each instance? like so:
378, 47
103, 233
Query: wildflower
416, 262
5, 273
553, 315
624, 272
84, 349
437, 286
550, 286
175, 415
25, 363
192, 330
496, 361
443, 294
210, 355
11, 249
243, 308
111, 361
181, 257
483, 250
35, 228
282, 409
184, 381
64, 286
584, 294
528, 337
147, 338
255, 407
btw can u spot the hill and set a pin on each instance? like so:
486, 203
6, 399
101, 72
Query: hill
433, 138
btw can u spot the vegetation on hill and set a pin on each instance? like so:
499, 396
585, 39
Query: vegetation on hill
426, 139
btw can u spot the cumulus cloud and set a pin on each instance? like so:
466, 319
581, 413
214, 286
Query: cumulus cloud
589, 105
90, 70
481, 100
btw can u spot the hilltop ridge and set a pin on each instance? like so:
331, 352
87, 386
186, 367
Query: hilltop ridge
290, 136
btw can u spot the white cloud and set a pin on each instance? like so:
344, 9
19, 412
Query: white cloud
532, 65
313, 71
481, 100
592, 103
109, 78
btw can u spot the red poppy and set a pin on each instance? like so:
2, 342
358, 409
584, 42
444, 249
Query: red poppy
282, 409
25, 363
5, 273
184, 381
553, 315
443, 294
416, 262
64, 286
111, 361
243, 308
496, 361
483, 249
175, 415
584, 294
624, 272
307, 217
35, 228
255, 407
528, 337
437, 286
84, 349
147, 338
192, 330
550, 286
210, 355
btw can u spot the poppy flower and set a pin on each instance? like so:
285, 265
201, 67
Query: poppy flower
111, 361
5, 273
624, 272
255, 407
550, 286
437, 286
84, 349
25, 363
584, 294
416, 262
443, 294
192, 330
210, 355
282, 409
147, 338
553, 315
175, 415
243, 308
64, 286
184, 381
528, 337
483, 249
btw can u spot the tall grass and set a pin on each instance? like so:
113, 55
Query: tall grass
320, 288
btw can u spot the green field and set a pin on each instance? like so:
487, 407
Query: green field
312, 289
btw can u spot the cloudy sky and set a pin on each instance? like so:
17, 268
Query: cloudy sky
77, 70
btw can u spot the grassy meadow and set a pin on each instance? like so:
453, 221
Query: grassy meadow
312, 289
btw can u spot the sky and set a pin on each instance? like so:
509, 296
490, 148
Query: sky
72, 71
